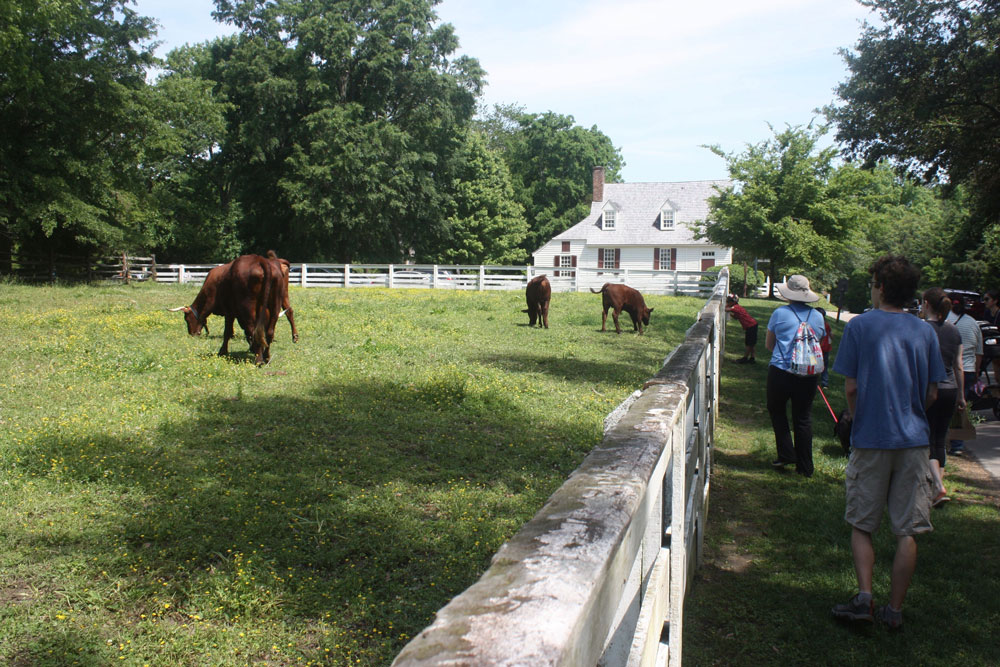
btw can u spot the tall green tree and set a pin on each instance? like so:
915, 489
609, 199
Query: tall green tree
551, 161
189, 182
779, 208
345, 124
924, 93
887, 212
72, 116
486, 224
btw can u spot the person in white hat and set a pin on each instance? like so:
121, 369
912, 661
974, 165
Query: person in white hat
783, 385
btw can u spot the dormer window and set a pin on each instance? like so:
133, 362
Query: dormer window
609, 217
667, 210
666, 218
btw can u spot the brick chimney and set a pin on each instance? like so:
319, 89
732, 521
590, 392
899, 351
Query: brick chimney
598, 184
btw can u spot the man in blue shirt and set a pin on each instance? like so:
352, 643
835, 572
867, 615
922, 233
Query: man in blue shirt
892, 364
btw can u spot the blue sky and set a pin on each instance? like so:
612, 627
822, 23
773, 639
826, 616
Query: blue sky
661, 78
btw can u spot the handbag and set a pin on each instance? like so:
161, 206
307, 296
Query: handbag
961, 427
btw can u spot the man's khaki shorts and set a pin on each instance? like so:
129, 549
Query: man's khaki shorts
898, 479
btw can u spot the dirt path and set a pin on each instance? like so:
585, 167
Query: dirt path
968, 470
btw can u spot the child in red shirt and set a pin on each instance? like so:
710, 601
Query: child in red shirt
749, 325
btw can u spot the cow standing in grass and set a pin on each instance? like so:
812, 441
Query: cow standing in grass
538, 294
249, 290
619, 298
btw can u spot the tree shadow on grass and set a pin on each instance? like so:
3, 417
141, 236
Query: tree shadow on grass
377, 499
58, 647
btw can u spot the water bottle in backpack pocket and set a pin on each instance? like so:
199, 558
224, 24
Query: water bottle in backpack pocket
807, 356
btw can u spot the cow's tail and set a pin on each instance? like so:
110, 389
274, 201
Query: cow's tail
599, 291
263, 301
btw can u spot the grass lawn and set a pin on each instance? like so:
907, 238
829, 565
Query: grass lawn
778, 554
161, 505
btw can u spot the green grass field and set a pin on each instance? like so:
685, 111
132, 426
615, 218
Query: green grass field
778, 554
161, 505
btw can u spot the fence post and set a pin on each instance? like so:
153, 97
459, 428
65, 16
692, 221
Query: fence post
676, 282
303, 280
347, 275
152, 269
391, 271
181, 278
482, 277
434, 276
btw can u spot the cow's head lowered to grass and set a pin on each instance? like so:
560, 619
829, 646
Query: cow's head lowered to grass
194, 322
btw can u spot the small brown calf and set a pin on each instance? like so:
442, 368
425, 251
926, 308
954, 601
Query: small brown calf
538, 294
619, 298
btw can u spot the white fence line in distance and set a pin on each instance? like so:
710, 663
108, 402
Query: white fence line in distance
464, 277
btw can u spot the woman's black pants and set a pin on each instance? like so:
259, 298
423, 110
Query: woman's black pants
783, 387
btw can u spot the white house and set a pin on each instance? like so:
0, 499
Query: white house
637, 227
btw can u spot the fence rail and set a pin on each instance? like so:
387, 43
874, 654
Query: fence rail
599, 575
465, 277
127, 268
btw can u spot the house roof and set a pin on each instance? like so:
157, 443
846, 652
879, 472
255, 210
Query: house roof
639, 213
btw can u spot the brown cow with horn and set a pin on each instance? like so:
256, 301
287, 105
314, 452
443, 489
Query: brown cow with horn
250, 290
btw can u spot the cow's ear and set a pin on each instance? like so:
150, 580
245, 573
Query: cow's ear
650, 310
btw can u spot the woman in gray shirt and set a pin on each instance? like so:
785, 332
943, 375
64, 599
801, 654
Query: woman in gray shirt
935, 308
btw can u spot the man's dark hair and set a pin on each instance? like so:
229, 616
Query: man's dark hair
897, 278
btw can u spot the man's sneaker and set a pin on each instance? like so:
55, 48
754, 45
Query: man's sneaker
779, 463
855, 610
893, 620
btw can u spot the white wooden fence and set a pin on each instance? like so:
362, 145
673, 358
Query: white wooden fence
599, 575
468, 277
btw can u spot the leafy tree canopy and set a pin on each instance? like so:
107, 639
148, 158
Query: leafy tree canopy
779, 208
924, 93
72, 77
346, 125
486, 224
551, 161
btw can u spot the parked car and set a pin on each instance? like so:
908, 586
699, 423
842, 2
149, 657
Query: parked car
424, 274
973, 303
410, 277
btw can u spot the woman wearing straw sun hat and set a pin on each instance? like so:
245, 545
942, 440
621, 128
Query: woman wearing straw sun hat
783, 386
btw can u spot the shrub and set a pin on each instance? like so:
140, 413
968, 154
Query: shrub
742, 281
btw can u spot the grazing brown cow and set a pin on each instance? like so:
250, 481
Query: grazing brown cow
286, 306
538, 294
622, 297
249, 290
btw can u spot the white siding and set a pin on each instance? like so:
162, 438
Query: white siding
641, 257
544, 257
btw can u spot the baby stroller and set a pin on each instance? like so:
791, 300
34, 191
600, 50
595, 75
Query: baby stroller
989, 398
